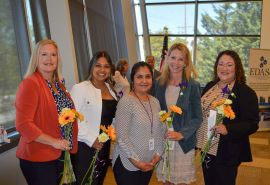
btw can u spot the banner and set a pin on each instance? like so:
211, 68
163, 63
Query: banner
259, 80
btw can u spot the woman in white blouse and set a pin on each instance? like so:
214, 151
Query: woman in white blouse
139, 132
96, 100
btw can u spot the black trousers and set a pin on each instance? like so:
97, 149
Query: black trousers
218, 174
83, 158
42, 173
124, 176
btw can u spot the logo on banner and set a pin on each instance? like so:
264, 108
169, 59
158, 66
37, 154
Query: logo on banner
263, 61
261, 70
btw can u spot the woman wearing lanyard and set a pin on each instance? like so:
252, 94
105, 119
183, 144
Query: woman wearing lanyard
140, 139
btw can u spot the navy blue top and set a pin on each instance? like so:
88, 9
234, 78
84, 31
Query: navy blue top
62, 101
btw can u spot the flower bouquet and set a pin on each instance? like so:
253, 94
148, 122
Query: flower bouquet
167, 119
223, 110
66, 119
107, 133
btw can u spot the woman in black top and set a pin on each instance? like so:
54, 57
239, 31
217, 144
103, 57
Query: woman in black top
231, 146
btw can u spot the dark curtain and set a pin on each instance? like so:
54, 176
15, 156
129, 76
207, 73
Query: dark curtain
105, 21
40, 19
106, 30
120, 29
21, 32
80, 37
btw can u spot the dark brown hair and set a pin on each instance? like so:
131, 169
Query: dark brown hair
136, 68
120, 65
94, 60
239, 70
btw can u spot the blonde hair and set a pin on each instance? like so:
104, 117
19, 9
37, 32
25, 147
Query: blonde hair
33, 63
189, 70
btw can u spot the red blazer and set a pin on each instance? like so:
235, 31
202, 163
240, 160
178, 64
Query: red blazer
36, 113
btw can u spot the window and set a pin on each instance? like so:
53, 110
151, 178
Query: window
14, 57
10, 75
206, 27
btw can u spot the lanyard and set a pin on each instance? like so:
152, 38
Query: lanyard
151, 120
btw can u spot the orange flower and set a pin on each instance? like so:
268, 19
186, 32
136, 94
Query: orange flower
175, 109
164, 116
111, 133
228, 112
218, 103
103, 128
66, 116
78, 115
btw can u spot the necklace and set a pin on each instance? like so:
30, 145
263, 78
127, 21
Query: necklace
104, 89
96, 86
150, 119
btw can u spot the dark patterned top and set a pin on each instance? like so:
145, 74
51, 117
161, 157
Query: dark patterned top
62, 101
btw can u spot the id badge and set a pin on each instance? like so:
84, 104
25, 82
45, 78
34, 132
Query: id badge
151, 144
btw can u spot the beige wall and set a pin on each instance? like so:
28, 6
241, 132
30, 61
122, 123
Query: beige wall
61, 32
265, 30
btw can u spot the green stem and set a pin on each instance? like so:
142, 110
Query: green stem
206, 148
92, 168
68, 174
169, 165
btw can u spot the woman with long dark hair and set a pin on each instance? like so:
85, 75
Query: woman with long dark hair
231, 144
96, 100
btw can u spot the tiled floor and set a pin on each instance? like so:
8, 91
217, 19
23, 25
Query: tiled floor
254, 173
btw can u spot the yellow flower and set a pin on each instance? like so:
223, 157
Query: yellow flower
110, 131
228, 102
103, 137
66, 116
169, 119
164, 117
175, 109
161, 112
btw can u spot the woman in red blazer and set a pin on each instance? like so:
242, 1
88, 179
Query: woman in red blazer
40, 98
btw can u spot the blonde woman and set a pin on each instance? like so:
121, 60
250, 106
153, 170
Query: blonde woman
176, 86
39, 99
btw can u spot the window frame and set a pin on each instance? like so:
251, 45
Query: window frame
22, 41
146, 35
